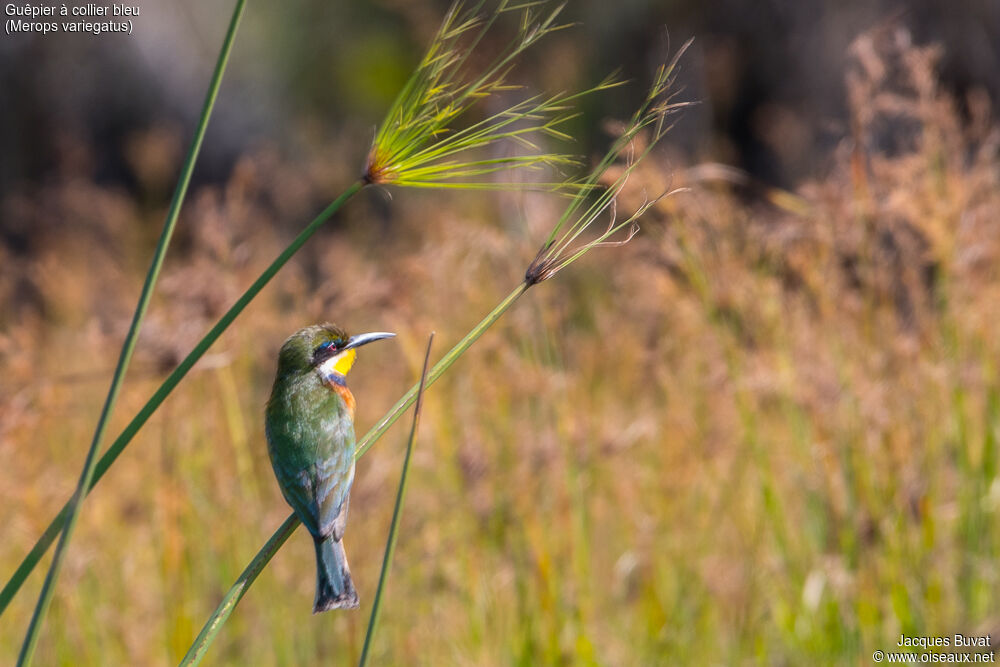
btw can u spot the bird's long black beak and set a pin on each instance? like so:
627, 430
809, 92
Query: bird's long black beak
364, 339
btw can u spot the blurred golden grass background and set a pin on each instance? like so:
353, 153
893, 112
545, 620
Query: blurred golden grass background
765, 431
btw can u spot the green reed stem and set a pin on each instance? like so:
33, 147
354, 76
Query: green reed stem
396, 411
73, 514
207, 634
168, 386
266, 553
397, 511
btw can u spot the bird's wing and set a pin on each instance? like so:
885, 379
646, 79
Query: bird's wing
317, 480
332, 480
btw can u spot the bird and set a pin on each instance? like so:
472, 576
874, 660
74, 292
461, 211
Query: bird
309, 425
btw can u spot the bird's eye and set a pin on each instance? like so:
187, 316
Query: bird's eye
326, 345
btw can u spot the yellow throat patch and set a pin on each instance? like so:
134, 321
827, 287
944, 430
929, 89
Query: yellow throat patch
344, 361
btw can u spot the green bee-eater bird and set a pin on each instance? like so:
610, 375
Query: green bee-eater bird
309, 423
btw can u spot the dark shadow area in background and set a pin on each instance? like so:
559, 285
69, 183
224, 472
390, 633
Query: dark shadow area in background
769, 76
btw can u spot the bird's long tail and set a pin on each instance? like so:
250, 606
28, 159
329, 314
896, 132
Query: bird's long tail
334, 588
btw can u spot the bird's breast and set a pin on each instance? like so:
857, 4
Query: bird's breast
336, 384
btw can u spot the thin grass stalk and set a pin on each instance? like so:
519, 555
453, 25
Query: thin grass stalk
118, 446
128, 347
397, 410
235, 594
397, 511
222, 613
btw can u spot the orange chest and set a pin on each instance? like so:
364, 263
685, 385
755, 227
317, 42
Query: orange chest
344, 393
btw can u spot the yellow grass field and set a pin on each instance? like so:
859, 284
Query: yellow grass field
763, 432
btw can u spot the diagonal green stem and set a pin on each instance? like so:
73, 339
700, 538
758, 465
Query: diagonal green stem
397, 511
232, 598
266, 553
168, 386
396, 411
86, 476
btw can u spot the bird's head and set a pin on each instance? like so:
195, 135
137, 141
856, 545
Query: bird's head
325, 348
